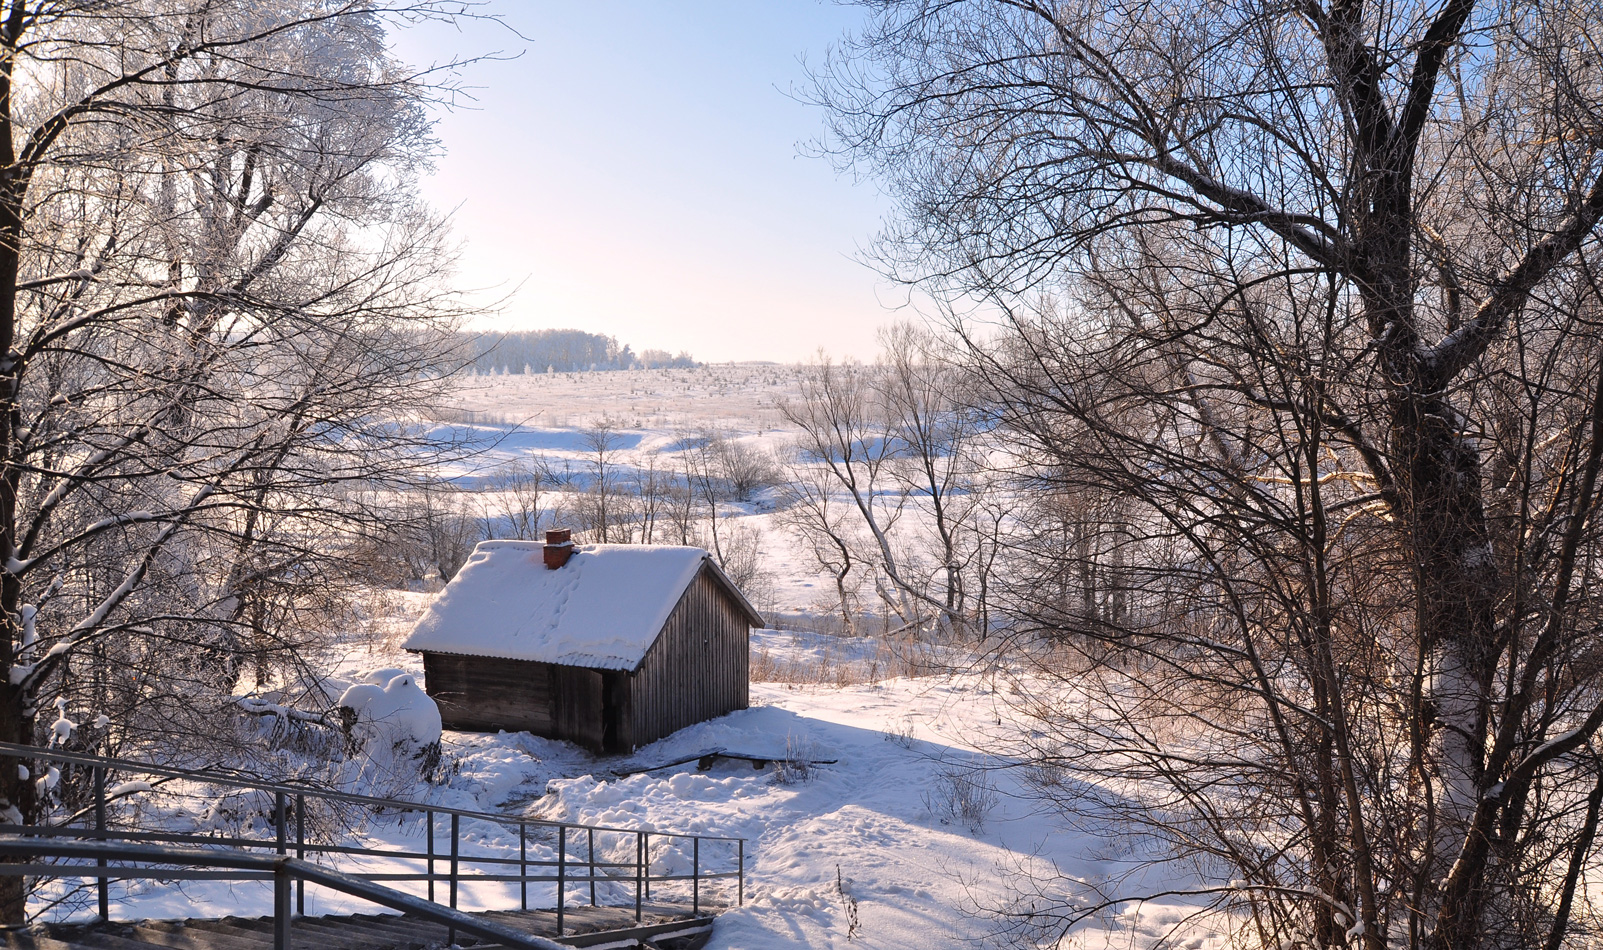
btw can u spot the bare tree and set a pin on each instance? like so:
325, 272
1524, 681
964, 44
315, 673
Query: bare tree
521, 485
899, 443
651, 485
445, 523
809, 507
599, 506
936, 431
1329, 341
844, 430
748, 469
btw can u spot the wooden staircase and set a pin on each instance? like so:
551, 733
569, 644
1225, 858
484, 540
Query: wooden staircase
662, 927
607, 862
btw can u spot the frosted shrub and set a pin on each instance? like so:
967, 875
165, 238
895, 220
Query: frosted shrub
799, 764
963, 795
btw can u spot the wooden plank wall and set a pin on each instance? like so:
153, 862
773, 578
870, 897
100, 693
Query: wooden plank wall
699, 667
576, 711
486, 694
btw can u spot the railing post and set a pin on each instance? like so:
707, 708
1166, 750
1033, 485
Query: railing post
523, 861
102, 886
592, 832
300, 853
455, 826
281, 906
740, 880
645, 848
562, 872
639, 869
428, 819
455, 820
695, 875
279, 819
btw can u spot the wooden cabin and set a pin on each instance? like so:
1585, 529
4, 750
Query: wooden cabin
610, 646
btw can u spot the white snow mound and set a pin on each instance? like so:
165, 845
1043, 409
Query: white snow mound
398, 717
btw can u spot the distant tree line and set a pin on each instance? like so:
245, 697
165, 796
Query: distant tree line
564, 351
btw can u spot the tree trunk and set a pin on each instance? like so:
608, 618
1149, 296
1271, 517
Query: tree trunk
17, 802
1456, 591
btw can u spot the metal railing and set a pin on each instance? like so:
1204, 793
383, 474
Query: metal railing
239, 865
583, 867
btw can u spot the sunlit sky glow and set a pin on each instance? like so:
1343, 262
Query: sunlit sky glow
637, 172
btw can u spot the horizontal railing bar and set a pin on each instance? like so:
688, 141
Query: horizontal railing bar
165, 837
221, 778
384, 896
704, 875
532, 879
114, 872
123, 872
30, 847
467, 859
109, 834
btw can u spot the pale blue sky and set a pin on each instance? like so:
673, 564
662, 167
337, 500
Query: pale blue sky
637, 171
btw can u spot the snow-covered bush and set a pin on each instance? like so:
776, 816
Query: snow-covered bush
964, 795
392, 723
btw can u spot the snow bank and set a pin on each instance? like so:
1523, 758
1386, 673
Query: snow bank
393, 721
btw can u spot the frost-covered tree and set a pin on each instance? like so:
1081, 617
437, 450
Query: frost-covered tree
1329, 349
897, 446
218, 294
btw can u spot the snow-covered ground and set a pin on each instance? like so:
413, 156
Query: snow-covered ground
911, 838
914, 837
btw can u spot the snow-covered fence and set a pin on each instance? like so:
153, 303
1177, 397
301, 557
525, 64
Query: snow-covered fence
572, 863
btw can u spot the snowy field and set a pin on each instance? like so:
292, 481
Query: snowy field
741, 396
917, 836
543, 417
914, 837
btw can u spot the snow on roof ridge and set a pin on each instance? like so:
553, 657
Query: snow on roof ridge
602, 610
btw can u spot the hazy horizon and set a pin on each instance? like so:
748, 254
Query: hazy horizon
636, 172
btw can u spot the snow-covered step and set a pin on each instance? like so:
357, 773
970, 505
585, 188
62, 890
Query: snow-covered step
582, 926
178, 936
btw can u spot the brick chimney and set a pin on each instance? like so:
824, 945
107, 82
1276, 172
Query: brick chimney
558, 547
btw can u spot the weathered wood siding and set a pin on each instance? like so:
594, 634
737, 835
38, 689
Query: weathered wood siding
576, 711
484, 694
699, 668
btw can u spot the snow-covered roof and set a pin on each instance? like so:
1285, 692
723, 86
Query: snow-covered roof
603, 609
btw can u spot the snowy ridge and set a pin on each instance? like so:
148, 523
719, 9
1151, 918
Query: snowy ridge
602, 610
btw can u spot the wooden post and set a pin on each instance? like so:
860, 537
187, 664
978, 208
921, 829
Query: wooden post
101, 884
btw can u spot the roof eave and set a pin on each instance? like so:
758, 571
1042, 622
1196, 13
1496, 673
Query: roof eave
734, 591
